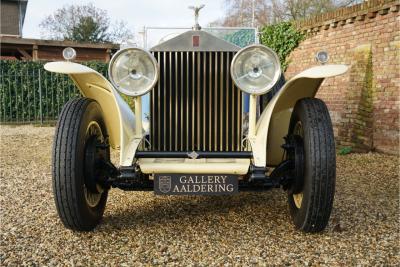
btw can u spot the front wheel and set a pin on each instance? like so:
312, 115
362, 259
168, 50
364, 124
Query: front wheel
311, 196
80, 145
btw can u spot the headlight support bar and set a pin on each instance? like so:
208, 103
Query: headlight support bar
138, 116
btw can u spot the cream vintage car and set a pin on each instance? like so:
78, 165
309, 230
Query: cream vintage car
196, 142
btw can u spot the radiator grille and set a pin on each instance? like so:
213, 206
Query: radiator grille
195, 104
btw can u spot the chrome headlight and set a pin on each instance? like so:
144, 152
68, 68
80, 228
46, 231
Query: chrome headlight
69, 53
322, 57
255, 69
133, 71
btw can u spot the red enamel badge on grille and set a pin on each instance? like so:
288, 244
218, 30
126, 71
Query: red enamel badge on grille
196, 40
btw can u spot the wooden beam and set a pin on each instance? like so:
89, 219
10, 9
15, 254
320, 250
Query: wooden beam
108, 55
40, 42
25, 54
35, 54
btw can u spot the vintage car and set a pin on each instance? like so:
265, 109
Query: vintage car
196, 142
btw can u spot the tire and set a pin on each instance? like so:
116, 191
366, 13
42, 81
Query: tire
78, 207
311, 208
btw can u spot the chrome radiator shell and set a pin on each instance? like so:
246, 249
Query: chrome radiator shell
195, 105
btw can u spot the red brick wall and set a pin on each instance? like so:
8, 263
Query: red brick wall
364, 103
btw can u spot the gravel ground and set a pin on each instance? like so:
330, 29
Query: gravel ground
142, 229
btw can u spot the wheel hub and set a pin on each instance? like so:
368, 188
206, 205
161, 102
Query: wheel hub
95, 154
298, 199
295, 153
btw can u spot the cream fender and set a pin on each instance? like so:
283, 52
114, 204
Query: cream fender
273, 123
119, 118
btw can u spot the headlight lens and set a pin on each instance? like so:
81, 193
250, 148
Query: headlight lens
322, 57
69, 53
133, 71
255, 69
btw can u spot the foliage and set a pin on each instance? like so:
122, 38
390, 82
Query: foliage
28, 93
84, 23
300, 9
283, 38
88, 30
239, 13
345, 150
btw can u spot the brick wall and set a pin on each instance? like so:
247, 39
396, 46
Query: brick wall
364, 103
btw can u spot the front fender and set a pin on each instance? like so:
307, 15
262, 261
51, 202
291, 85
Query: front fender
118, 116
273, 123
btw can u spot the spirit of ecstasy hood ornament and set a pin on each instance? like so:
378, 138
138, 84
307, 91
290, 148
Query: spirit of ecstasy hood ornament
196, 9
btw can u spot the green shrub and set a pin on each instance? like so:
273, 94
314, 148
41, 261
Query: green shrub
345, 150
283, 38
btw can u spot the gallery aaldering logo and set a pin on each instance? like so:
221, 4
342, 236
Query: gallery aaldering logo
181, 184
164, 184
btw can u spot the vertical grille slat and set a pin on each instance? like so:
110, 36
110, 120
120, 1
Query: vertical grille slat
186, 136
198, 103
215, 101
210, 102
163, 96
181, 127
195, 104
193, 93
204, 84
220, 98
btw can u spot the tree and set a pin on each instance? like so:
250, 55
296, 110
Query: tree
89, 30
84, 23
240, 12
300, 9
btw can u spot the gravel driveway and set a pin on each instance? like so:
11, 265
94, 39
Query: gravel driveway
142, 229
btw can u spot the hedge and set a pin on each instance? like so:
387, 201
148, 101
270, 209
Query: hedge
28, 93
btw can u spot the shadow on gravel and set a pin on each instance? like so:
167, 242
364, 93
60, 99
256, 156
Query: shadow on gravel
255, 207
